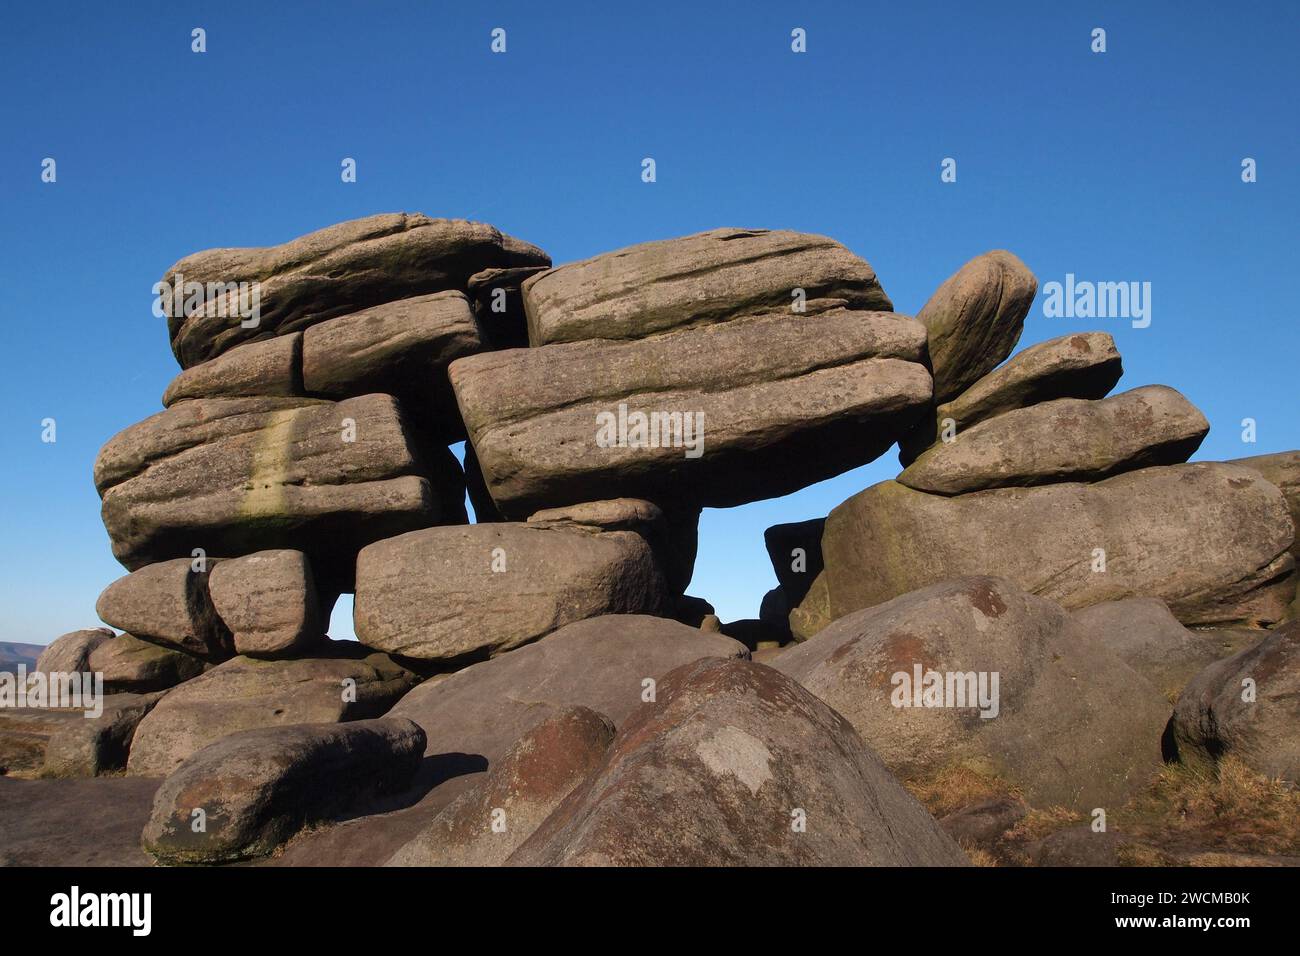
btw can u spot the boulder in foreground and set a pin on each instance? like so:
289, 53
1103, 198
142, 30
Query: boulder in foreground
736, 764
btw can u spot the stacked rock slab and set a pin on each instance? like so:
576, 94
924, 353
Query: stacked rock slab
1028, 473
710, 370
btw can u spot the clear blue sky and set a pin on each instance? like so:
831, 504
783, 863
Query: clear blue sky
1118, 166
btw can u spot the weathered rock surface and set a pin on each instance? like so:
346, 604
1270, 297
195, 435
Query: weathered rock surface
673, 535
271, 367
1283, 470
1082, 365
234, 476
448, 593
1064, 440
735, 764
1247, 705
268, 600
975, 318
814, 612
796, 552
786, 401
484, 826
334, 271
600, 663
56, 742
130, 665
342, 681
74, 822
69, 653
696, 280
1149, 639
258, 787
168, 603
1208, 539
1067, 722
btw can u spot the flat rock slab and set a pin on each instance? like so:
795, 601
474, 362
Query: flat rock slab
1067, 722
342, 681
168, 603
736, 764
253, 790
234, 476
785, 401
975, 318
696, 280
483, 827
334, 271
1247, 705
1208, 539
1081, 365
1068, 439
445, 594
74, 822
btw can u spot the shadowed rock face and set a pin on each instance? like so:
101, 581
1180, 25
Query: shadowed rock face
1247, 705
783, 403
168, 603
234, 476
1053, 729
49, 742
444, 594
1083, 365
484, 826
1208, 539
735, 764
1064, 440
335, 271
796, 553
342, 681
257, 788
697, 280
975, 318
134, 666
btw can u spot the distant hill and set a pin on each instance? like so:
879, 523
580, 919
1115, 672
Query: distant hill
13, 654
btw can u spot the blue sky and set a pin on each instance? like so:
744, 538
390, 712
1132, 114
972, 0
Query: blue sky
1122, 166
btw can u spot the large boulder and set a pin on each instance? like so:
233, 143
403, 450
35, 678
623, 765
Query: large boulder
445, 594
271, 367
702, 279
69, 653
234, 476
795, 550
976, 673
975, 318
255, 789
168, 603
484, 826
1247, 705
673, 534
333, 271
714, 415
1148, 638
131, 665
602, 663
1283, 470
735, 764
343, 681
269, 602
1080, 365
1208, 539
1068, 439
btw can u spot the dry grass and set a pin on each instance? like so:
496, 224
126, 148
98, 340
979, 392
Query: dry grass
955, 787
